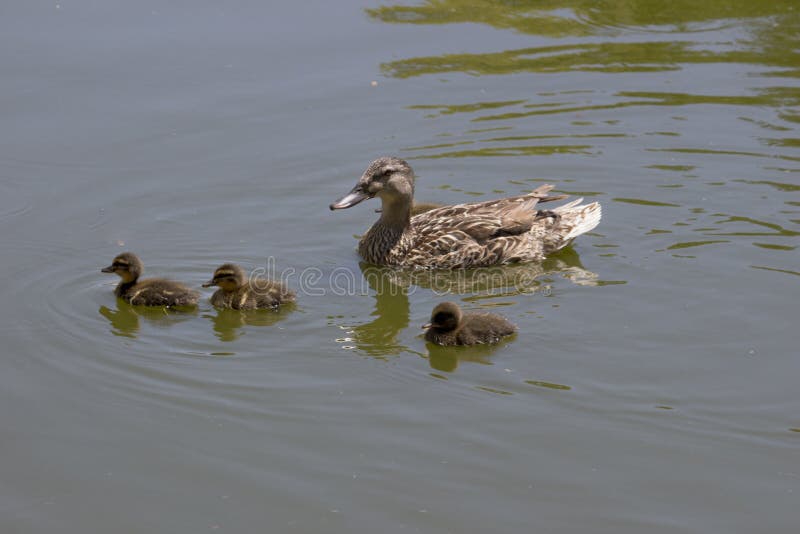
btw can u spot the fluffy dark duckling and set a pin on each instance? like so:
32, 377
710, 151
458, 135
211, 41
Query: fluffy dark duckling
450, 326
237, 292
149, 292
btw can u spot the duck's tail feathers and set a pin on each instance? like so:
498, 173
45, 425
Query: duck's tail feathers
573, 220
540, 194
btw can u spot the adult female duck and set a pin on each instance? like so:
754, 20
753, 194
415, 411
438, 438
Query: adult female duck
465, 235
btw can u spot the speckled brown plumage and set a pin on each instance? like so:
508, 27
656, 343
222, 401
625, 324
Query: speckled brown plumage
149, 292
420, 207
237, 291
465, 235
450, 326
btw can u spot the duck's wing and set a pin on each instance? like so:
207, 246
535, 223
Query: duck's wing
270, 293
160, 292
453, 249
483, 221
489, 325
445, 249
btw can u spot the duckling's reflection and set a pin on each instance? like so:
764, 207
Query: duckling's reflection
125, 319
228, 323
446, 359
379, 336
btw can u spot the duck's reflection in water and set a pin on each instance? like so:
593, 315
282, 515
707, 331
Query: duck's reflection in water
380, 337
501, 280
228, 323
391, 314
125, 319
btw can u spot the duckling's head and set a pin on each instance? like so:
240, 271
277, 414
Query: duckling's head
388, 177
127, 266
229, 277
445, 317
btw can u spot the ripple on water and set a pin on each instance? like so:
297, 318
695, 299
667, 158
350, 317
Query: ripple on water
12, 204
599, 19
9, 210
176, 358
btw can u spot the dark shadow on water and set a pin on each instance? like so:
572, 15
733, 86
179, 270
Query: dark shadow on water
229, 323
125, 320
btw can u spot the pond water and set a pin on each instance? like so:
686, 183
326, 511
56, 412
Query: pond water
653, 386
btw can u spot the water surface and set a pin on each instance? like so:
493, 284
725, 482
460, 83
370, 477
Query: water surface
652, 386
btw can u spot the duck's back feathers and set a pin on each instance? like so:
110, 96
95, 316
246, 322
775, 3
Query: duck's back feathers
498, 231
484, 220
422, 207
157, 292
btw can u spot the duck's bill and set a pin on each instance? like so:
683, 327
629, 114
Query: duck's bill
210, 283
426, 326
109, 269
350, 199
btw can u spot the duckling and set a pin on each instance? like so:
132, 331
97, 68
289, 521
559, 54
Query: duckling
450, 326
149, 292
477, 234
238, 293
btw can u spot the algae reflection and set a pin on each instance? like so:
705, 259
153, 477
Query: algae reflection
768, 44
581, 18
632, 41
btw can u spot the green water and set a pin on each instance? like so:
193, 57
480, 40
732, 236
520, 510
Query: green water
652, 385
